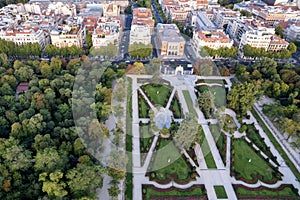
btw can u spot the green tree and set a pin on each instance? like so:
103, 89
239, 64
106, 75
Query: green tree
279, 31
54, 186
49, 160
187, 132
206, 102
242, 96
140, 50
84, 179
290, 127
114, 191
292, 47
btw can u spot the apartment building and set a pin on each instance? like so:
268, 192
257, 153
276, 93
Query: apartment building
143, 16
211, 39
107, 31
292, 32
24, 35
111, 10
60, 8
67, 36
90, 23
256, 38
142, 26
140, 33
236, 28
177, 13
224, 16
272, 16
277, 44
169, 40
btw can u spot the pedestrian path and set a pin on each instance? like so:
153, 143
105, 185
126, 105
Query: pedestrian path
170, 98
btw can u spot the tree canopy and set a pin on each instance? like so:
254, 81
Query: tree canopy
140, 50
41, 153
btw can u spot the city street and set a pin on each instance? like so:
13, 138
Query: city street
124, 39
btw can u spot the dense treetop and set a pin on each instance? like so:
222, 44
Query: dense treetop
41, 154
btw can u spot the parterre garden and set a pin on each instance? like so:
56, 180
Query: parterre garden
169, 164
247, 164
159, 96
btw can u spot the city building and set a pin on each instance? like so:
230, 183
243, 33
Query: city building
90, 23
277, 44
107, 31
177, 13
223, 16
256, 38
143, 16
203, 22
111, 10
142, 26
24, 35
67, 36
60, 8
169, 40
292, 32
263, 39
211, 39
140, 33
236, 28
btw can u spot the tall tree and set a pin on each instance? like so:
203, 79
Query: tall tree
242, 96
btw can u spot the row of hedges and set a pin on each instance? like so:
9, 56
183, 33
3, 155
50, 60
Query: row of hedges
202, 187
280, 188
255, 177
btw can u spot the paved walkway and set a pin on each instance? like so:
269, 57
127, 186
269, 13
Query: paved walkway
170, 99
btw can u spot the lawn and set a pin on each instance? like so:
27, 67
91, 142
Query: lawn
209, 159
220, 192
169, 161
176, 109
158, 94
220, 81
264, 192
276, 144
242, 154
145, 137
194, 192
255, 137
220, 140
189, 102
218, 91
143, 107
